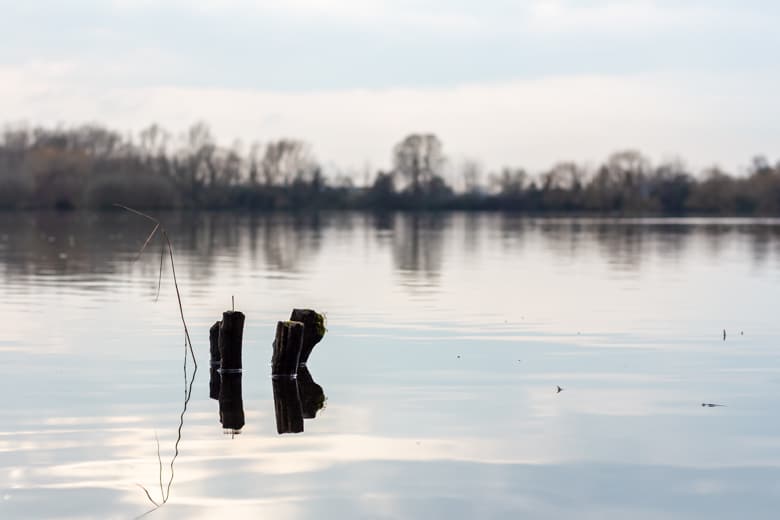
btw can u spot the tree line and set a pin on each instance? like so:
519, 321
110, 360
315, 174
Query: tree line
92, 167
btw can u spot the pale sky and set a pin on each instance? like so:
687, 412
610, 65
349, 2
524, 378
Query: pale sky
523, 83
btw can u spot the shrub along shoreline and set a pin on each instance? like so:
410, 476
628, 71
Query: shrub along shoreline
91, 167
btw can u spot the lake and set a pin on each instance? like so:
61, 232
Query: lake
434, 393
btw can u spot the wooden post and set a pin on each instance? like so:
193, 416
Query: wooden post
287, 349
231, 402
231, 333
214, 379
214, 343
313, 330
287, 406
310, 393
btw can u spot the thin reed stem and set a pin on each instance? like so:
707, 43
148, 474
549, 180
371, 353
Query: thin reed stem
173, 270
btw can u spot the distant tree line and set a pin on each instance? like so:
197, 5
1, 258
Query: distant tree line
91, 167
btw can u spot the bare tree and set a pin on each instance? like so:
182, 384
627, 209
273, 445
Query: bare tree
154, 141
562, 186
285, 161
418, 159
564, 176
511, 182
471, 171
621, 182
254, 163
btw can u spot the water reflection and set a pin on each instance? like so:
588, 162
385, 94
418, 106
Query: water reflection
296, 399
165, 491
85, 245
287, 406
231, 403
287, 240
411, 425
312, 395
418, 244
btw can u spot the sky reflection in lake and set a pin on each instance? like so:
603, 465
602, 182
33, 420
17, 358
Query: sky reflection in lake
447, 336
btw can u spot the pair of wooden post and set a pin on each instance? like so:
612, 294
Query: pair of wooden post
225, 339
295, 339
296, 395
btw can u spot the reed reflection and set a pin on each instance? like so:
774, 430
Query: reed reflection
165, 490
296, 399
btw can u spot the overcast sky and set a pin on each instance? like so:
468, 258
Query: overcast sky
522, 83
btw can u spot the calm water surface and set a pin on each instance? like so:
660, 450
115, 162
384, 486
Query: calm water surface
447, 337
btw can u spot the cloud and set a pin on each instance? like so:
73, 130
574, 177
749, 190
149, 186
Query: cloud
522, 83
530, 123
638, 17
338, 44
491, 18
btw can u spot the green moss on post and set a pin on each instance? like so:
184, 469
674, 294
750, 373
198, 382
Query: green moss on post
313, 330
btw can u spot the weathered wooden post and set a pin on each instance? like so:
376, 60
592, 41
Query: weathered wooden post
215, 379
225, 338
231, 402
231, 332
214, 343
287, 406
313, 330
216, 361
287, 349
296, 395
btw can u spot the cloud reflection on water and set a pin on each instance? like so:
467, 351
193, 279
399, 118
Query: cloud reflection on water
624, 314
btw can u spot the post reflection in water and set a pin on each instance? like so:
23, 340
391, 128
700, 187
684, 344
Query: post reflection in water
311, 394
651, 298
287, 405
296, 399
231, 403
226, 388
